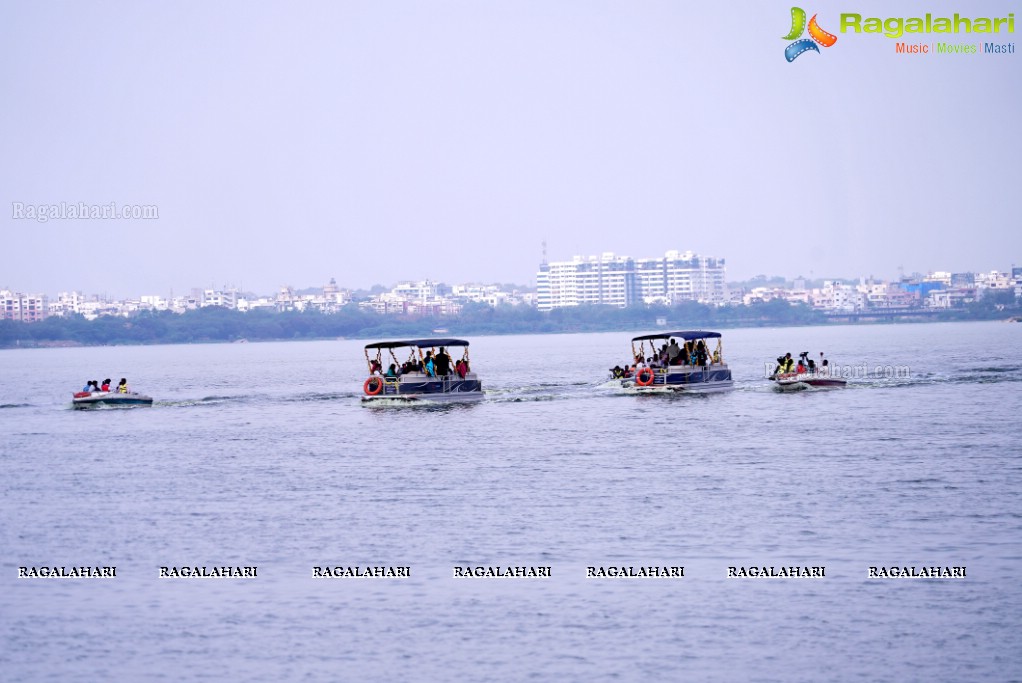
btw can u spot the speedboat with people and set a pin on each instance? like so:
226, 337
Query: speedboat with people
807, 373
420, 370
95, 394
687, 361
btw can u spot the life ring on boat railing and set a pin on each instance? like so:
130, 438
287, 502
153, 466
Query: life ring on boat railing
644, 372
373, 380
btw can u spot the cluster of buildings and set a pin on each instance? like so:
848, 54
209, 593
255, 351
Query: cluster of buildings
407, 298
436, 298
607, 279
936, 291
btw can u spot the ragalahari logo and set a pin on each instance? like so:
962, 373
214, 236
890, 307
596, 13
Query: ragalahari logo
798, 26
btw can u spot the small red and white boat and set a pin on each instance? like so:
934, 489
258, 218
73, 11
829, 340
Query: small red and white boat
802, 380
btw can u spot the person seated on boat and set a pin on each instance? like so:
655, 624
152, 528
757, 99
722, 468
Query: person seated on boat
122, 386
700, 353
87, 388
716, 357
673, 353
461, 367
617, 372
800, 368
442, 363
810, 365
825, 367
106, 385
391, 371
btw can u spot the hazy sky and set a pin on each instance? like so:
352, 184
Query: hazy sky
379, 141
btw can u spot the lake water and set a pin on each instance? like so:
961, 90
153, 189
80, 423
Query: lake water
263, 455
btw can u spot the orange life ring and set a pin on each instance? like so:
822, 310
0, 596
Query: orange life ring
644, 371
379, 386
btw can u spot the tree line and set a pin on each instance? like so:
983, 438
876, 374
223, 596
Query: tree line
215, 324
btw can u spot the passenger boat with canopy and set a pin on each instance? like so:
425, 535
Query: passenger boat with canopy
420, 370
687, 361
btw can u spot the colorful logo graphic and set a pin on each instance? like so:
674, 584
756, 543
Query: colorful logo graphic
798, 25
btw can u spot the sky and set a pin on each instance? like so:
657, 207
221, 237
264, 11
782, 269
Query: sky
375, 142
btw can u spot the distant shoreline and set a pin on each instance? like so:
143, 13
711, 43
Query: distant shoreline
223, 326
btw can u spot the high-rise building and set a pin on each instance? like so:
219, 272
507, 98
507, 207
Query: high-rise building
621, 281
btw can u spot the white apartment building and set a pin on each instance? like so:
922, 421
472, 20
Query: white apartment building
67, 303
217, 297
28, 308
838, 297
154, 302
621, 281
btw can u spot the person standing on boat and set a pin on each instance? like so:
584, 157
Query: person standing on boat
122, 386
673, 351
443, 363
429, 364
784, 364
700, 353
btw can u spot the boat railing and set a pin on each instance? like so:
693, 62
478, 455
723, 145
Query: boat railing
674, 369
424, 377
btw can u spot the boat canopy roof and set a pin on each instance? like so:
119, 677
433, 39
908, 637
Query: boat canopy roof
419, 343
687, 335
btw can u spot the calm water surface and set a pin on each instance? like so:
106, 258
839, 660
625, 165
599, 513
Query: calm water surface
262, 454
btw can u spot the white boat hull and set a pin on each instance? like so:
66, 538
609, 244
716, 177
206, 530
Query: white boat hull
111, 399
701, 388
807, 380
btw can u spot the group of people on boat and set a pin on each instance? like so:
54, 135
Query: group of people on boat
94, 386
691, 353
438, 365
787, 365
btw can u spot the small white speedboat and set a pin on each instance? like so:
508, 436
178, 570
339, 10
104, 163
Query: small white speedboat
91, 399
790, 381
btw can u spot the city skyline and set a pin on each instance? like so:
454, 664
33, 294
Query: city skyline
529, 284
608, 280
289, 143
